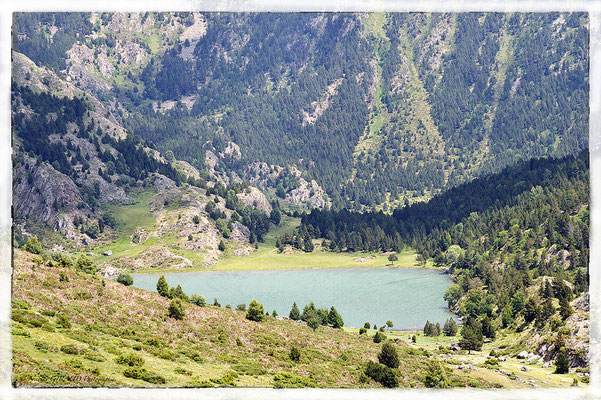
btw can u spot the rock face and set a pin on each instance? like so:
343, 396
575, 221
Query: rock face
163, 184
255, 198
48, 192
306, 194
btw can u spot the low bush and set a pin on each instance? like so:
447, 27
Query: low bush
248, 367
41, 346
145, 375
20, 332
131, 359
198, 300
182, 371
295, 354
288, 380
28, 318
22, 304
125, 278
62, 321
69, 349
379, 337
48, 313
381, 374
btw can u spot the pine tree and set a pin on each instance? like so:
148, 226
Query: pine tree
294, 313
176, 309
450, 327
471, 336
562, 364
255, 311
389, 355
162, 286
564, 308
335, 319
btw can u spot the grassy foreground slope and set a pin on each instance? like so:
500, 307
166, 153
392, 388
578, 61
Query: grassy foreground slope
70, 328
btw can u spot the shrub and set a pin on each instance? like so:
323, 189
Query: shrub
62, 277
194, 356
69, 349
241, 307
288, 380
295, 354
314, 322
131, 359
182, 371
42, 346
145, 375
362, 331
389, 355
198, 300
381, 374
20, 304
28, 318
255, 311
33, 246
85, 264
367, 325
436, 376
379, 337
125, 278
176, 309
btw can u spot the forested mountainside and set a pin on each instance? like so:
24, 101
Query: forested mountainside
74, 161
374, 109
513, 241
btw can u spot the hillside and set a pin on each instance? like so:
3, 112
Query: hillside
516, 244
426, 101
77, 169
87, 323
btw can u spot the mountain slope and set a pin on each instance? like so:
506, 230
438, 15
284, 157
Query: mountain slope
76, 165
377, 108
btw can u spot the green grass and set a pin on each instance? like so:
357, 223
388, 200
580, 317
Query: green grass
129, 217
266, 257
154, 42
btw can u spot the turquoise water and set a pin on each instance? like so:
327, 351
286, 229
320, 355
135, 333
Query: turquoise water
406, 296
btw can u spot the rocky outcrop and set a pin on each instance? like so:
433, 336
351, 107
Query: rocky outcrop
153, 257
306, 193
253, 197
162, 184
